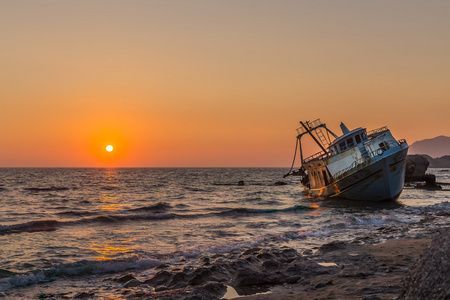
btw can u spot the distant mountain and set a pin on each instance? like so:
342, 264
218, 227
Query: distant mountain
441, 162
435, 147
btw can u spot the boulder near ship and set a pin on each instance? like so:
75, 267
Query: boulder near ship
357, 165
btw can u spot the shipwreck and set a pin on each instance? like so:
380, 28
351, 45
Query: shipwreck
357, 165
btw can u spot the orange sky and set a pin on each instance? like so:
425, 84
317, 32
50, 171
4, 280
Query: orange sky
213, 83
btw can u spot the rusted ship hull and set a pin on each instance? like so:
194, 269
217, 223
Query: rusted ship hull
380, 179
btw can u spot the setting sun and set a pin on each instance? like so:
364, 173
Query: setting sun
109, 148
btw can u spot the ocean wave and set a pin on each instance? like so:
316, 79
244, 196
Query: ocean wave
81, 268
32, 226
119, 218
244, 211
50, 225
46, 189
159, 207
109, 187
75, 213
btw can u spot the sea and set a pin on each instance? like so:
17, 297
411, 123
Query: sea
68, 231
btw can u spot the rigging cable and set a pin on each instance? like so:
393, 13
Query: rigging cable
293, 161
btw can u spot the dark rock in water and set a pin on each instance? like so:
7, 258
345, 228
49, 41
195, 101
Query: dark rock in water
201, 276
159, 278
241, 182
429, 278
125, 278
6, 273
416, 165
84, 295
162, 266
178, 278
132, 283
280, 183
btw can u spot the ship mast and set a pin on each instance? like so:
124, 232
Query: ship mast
314, 138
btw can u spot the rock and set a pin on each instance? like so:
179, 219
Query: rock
6, 273
332, 246
84, 295
307, 252
429, 277
416, 165
132, 283
160, 278
201, 276
205, 260
125, 278
280, 183
249, 277
251, 251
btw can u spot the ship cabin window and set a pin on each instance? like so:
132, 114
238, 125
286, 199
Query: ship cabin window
384, 146
342, 146
350, 143
357, 139
364, 136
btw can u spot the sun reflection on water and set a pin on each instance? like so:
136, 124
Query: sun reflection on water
108, 197
317, 212
108, 252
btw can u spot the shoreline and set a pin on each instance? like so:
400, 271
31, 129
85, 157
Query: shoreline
360, 272
336, 270
371, 267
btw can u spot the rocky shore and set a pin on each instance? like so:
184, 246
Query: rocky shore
370, 267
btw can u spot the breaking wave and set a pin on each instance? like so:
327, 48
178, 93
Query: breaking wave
80, 268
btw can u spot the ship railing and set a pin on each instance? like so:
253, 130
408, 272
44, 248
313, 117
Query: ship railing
362, 162
356, 164
312, 125
377, 131
317, 156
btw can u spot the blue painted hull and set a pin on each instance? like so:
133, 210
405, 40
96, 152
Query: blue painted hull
381, 180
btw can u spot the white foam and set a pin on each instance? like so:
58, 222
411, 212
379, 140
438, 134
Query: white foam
78, 269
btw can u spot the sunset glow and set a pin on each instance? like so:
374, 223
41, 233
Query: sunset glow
109, 148
214, 84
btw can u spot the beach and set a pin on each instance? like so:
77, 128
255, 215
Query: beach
371, 272
373, 267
